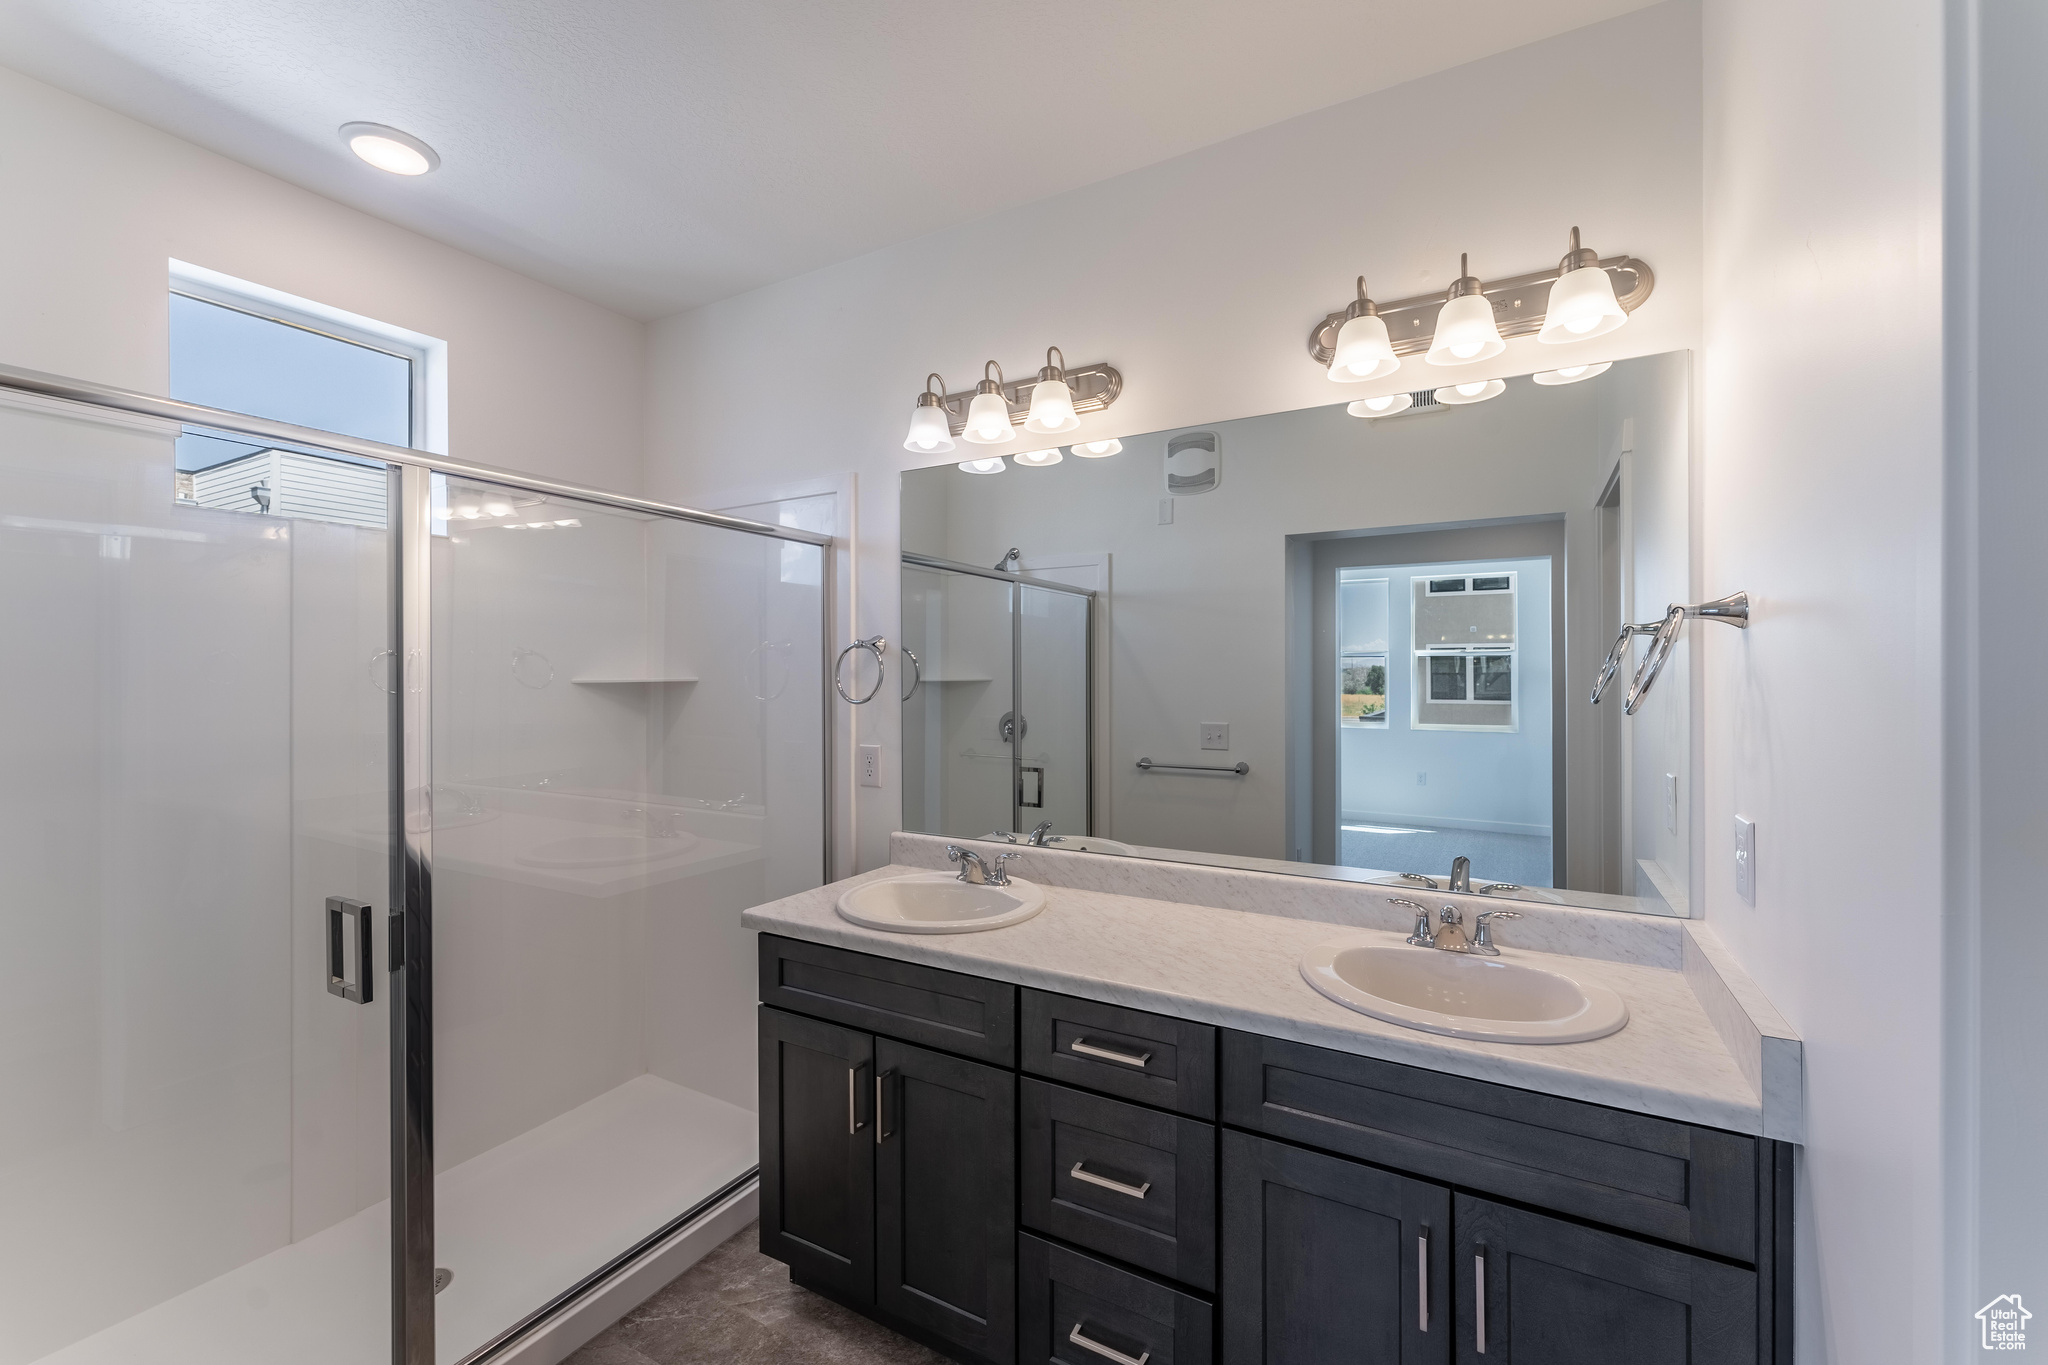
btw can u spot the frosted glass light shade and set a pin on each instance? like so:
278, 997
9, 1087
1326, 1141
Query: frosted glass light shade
1465, 332
1363, 351
988, 421
993, 464
1052, 409
1096, 450
1380, 407
389, 149
1038, 459
1476, 392
929, 432
1582, 305
1572, 374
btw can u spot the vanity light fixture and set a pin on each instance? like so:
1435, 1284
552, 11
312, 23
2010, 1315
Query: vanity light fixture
1096, 450
988, 416
388, 149
1476, 392
1465, 330
1052, 402
1385, 406
1364, 350
1582, 303
1572, 374
993, 464
930, 432
1038, 459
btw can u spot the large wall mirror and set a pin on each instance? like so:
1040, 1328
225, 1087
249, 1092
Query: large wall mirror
1322, 642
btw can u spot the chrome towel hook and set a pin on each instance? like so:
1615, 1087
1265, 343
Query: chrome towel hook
874, 645
1733, 609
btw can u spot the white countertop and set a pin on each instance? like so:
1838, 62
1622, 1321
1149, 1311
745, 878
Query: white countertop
1239, 969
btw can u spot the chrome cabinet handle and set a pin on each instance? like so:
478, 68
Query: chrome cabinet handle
1479, 1300
854, 1123
1134, 1191
1106, 1352
1422, 1281
881, 1132
1088, 1049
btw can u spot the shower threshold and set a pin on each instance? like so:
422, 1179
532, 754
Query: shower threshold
517, 1225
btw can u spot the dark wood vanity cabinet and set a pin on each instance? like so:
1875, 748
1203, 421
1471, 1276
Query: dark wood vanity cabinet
1150, 1188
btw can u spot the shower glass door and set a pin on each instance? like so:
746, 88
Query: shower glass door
959, 741
627, 751
194, 837
1054, 779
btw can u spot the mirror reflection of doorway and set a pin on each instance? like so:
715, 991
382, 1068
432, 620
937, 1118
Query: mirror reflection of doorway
1436, 732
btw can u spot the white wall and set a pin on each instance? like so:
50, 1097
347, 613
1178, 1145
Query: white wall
1200, 277
1822, 496
99, 205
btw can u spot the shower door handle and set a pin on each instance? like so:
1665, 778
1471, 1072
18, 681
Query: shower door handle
354, 988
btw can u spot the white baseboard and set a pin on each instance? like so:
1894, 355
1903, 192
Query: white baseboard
553, 1341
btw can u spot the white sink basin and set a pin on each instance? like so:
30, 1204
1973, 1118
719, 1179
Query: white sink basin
940, 903
1462, 995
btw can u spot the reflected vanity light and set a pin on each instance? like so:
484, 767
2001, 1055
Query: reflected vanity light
993, 464
1476, 392
1052, 402
1380, 407
988, 416
1465, 330
930, 432
1096, 450
1582, 302
1038, 459
1572, 374
1364, 350
389, 149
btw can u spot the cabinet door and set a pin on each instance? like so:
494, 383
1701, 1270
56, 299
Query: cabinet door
1328, 1260
946, 1198
1557, 1293
818, 1152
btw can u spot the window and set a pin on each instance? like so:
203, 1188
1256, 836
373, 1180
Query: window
1462, 641
250, 350
1361, 649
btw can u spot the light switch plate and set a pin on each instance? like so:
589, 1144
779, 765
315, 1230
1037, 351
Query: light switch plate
1671, 802
1215, 736
871, 765
1745, 859
1166, 511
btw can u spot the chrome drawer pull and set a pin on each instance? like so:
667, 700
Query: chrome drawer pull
1088, 1049
1479, 1300
1134, 1191
1422, 1281
1105, 1352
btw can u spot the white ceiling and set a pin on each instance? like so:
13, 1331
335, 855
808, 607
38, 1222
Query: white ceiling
653, 155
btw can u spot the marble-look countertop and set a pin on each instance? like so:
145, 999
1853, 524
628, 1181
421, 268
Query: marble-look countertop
1239, 969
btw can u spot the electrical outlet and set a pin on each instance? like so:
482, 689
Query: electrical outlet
1671, 802
1215, 736
1745, 859
1422, 779
871, 765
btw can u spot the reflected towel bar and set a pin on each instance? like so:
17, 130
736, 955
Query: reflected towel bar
1236, 769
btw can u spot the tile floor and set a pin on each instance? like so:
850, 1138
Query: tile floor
737, 1307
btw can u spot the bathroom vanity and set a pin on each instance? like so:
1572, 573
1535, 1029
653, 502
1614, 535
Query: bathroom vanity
1128, 1130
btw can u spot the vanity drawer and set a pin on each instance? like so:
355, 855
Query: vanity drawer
966, 1015
1130, 1182
1140, 1056
1689, 1185
1063, 1295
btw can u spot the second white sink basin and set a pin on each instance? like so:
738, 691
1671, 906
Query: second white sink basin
1461, 994
940, 903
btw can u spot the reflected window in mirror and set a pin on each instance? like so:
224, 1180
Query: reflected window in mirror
1362, 660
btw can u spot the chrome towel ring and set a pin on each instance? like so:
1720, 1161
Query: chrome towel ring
1733, 609
916, 673
874, 645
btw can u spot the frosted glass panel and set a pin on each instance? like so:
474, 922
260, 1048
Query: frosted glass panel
957, 763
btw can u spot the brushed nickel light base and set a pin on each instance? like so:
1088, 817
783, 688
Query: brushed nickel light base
1518, 308
1094, 387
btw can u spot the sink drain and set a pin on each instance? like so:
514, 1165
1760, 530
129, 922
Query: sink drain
442, 1275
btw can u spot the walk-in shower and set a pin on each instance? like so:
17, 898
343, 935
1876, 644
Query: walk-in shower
346, 861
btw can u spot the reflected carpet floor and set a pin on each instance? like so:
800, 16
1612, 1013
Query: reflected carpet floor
1523, 859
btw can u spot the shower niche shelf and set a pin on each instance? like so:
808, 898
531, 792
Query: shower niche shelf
628, 682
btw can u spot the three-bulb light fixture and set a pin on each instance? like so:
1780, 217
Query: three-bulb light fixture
991, 417
1472, 321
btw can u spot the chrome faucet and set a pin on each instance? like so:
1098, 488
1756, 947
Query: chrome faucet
1461, 873
1450, 935
1421, 938
1482, 932
974, 871
1038, 836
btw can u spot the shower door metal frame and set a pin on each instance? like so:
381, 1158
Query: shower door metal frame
409, 947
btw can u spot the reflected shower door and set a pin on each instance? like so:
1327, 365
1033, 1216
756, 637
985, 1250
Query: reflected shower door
1054, 779
193, 1151
628, 750
959, 740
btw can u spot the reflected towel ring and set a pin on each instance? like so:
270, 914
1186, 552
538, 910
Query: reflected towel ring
757, 659
1618, 656
531, 664
916, 673
874, 645
380, 678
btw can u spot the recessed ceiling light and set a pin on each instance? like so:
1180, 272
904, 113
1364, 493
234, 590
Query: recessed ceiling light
388, 149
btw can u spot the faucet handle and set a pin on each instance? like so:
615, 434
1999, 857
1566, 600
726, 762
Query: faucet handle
1422, 937
1482, 931
1005, 835
997, 876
